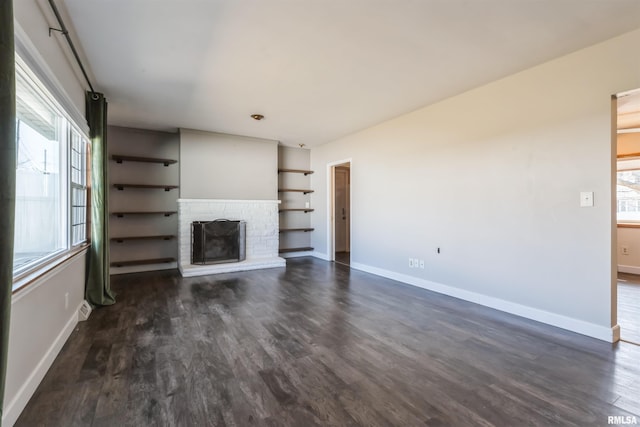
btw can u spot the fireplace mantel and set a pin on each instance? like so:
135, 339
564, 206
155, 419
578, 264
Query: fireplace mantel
262, 236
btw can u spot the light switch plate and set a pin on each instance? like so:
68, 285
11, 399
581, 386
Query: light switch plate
586, 199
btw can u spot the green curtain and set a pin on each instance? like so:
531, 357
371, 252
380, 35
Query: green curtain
7, 180
98, 288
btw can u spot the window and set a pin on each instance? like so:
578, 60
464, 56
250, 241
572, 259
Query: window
51, 191
628, 190
78, 188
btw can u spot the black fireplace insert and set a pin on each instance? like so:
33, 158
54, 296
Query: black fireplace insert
218, 241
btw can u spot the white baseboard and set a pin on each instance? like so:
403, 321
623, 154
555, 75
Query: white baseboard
321, 255
616, 333
629, 269
603, 333
14, 408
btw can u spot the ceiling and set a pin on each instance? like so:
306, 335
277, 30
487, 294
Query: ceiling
318, 69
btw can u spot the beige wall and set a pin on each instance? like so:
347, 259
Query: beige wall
493, 178
221, 166
628, 143
294, 158
143, 143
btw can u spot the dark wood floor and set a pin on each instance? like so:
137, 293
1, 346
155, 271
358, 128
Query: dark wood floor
318, 344
343, 258
629, 307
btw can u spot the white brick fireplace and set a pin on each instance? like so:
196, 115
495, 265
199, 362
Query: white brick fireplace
262, 235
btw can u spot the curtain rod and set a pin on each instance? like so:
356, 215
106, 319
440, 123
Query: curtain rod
63, 30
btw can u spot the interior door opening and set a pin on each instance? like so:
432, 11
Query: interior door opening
626, 293
341, 212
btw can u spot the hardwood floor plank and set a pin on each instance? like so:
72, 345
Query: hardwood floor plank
280, 386
114, 391
95, 363
369, 404
318, 344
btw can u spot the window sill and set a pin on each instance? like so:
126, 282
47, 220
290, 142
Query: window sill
629, 225
30, 278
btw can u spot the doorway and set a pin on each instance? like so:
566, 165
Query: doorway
628, 214
341, 212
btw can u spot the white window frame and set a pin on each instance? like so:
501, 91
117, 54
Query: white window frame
81, 186
69, 126
630, 164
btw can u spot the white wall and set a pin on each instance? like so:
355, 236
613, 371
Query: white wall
40, 321
493, 177
629, 238
222, 166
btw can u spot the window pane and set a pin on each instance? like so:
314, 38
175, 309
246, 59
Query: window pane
40, 221
628, 190
78, 188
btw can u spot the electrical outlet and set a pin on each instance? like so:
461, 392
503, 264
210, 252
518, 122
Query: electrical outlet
422, 264
410, 262
624, 250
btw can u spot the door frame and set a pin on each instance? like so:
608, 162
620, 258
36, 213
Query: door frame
616, 327
331, 234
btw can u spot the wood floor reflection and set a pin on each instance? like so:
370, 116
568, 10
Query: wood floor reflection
318, 344
629, 307
343, 258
